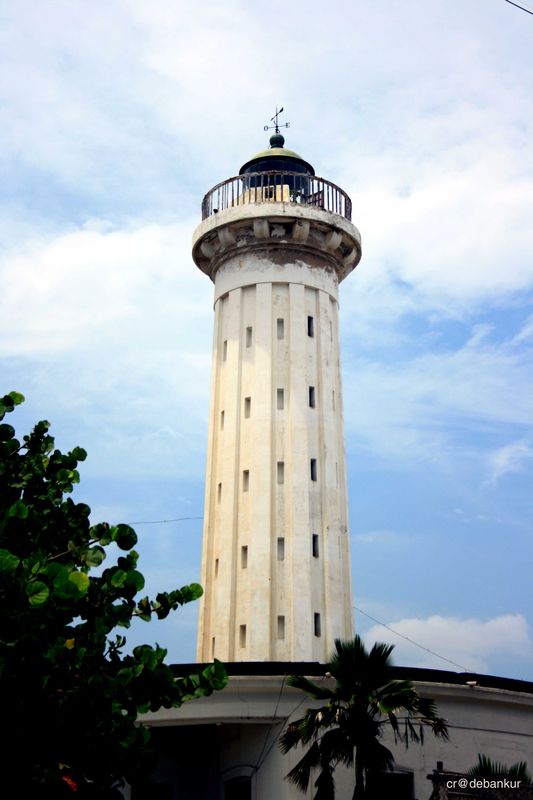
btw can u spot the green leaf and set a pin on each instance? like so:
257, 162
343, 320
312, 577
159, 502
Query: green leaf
9, 401
37, 592
151, 657
144, 609
79, 454
6, 432
134, 580
101, 532
80, 581
187, 594
55, 572
8, 562
94, 556
118, 579
18, 509
126, 674
17, 398
216, 675
124, 536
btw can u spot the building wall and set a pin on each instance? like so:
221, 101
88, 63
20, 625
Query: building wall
251, 713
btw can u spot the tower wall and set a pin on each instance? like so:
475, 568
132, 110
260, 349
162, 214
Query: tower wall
276, 545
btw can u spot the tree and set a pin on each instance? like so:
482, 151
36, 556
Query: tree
365, 700
70, 696
486, 768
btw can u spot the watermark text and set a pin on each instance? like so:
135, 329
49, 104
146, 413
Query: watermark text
482, 783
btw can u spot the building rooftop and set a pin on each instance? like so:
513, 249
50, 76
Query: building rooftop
416, 674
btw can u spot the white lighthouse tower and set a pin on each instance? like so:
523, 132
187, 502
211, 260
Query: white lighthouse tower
276, 241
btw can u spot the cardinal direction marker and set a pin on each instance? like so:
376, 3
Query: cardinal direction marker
276, 126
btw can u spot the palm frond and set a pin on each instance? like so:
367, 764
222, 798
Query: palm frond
359, 671
427, 708
325, 785
312, 689
290, 738
336, 747
486, 768
375, 756
392, 697
439, 726
301, 773
301, 731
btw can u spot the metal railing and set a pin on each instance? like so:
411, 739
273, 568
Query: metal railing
277, 187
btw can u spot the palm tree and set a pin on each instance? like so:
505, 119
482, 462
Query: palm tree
486, 768
347, 730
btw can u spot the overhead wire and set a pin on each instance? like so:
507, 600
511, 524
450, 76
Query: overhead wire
160, 521
283, 719
272, 724
412, 641
360, 610
517, 6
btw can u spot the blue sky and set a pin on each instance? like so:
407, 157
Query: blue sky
116, 117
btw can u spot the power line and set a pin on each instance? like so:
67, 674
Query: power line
360, 610
284, 719
272, 724
160, 521
521, 7
412, 641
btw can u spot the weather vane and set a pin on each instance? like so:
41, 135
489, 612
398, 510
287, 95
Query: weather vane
276, 126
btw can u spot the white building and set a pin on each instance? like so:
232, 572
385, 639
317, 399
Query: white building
277, 241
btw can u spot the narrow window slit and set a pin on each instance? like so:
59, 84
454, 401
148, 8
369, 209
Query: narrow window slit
311, 397
281, 472
316, 624
316, 546
280, 399
281, 548
280, 328
242, 635
245, 480
281, 627
313, 469
248, 336
310, 326
244, 557
247, 407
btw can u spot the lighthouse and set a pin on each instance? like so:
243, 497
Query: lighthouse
276, 240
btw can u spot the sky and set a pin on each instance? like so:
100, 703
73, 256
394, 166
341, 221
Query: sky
117, 116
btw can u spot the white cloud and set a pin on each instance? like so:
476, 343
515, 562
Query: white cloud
525, 333
418, 408
471, 643
453, 236
507, 459
100, 284
113, 327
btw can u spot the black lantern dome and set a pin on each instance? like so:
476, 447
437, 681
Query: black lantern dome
277, 158
289, 167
